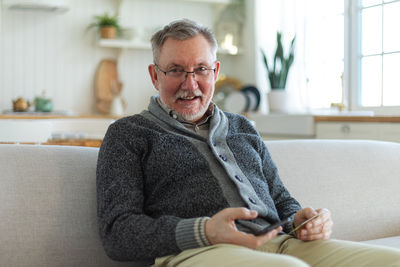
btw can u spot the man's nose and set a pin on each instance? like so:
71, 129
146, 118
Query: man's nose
190, 81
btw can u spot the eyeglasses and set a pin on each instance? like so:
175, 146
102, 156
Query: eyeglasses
178, 73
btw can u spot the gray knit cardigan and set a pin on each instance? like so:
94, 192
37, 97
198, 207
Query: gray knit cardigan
155, 186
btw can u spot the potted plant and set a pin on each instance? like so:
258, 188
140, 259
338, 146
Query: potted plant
278, 73
107, 25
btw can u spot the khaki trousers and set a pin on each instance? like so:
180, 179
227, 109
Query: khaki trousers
284, 250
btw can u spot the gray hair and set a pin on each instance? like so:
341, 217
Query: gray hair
181, 30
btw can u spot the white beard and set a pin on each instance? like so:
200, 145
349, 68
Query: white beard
196, 116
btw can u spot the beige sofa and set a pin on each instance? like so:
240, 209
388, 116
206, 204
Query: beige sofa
48, 196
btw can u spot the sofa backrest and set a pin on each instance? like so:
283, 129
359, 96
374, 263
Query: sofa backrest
359, 181
48, 196
48, 207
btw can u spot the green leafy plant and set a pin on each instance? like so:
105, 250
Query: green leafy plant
105, 20
278, 74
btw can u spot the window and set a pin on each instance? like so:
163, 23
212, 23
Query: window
346, 51
378, 50
324, 52
315, 79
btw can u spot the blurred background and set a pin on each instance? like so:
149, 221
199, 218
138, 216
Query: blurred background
344, 58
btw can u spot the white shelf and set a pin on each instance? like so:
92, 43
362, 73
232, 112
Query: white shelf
122, 43
200, 1
209, 1
143, 45
222, 51
134, 44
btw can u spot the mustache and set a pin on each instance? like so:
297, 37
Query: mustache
186, 93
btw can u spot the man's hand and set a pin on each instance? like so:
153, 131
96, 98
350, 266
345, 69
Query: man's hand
221, 228
318, 228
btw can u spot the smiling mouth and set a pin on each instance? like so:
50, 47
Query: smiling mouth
189, 98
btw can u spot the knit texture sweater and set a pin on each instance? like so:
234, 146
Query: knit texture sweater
157, 182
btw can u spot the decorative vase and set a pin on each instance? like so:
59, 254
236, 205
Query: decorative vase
117, 106
278, 101
43, 104
108, 32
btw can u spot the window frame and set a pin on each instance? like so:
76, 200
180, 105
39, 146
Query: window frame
352, 62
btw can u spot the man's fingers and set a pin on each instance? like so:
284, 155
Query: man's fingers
310, 237
240, 213
252, 241
323, 218
322, 231
221, 228
309, 212
317, 228
325, 214
268, 236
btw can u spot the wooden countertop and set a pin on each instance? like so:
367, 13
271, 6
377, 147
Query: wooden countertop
63, 142
54, 116
394, 119
317, 118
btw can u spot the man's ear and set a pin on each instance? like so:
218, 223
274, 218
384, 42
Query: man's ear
153, 75
217, 64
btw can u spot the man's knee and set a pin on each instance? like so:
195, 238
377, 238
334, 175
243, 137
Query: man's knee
239, 256
287, 261
230, 256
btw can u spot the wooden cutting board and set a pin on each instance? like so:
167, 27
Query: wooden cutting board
106, 75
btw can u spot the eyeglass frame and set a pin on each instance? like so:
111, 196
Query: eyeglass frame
187, 72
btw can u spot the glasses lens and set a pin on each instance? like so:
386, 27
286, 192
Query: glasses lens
202, 72
199, 74
176, 73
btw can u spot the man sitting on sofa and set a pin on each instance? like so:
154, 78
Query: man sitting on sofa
186, 184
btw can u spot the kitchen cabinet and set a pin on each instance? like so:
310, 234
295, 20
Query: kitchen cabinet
358, 130
309, 126
384, 128
63, 130
283, 126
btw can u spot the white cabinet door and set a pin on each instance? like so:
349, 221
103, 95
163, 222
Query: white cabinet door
343, 130
390, 132
38, 130
358, 130
20, 130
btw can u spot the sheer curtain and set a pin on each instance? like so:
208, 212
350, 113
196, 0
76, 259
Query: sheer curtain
315, 78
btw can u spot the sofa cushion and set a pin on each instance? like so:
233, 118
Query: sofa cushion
48, 207
393, 242
358, 180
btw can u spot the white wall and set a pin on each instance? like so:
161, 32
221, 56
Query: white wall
52, 52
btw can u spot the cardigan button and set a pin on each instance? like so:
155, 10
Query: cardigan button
252, 200
238, 178
223, 157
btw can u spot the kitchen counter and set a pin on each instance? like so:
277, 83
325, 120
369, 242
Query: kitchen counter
335, 118
89, 130
41, 116
86, 130
296, 126
384, 128
278, 126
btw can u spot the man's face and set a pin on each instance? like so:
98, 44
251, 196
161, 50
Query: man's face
190, 96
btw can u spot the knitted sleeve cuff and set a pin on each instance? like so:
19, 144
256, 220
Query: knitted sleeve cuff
190, 233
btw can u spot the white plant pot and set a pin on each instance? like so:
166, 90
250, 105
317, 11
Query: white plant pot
278, 101
117, 106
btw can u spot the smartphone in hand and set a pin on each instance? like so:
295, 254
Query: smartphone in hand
272, 227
